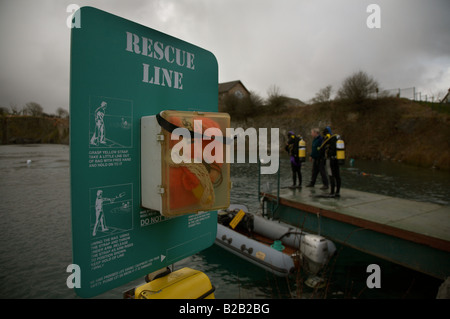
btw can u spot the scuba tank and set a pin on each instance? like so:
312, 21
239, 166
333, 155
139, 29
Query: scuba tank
302, 149
340, 151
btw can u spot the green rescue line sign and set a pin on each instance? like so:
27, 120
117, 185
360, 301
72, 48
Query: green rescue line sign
121, 71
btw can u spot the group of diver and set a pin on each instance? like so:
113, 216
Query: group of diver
323, 157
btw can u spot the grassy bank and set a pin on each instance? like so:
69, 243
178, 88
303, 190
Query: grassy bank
385, 129
21, 129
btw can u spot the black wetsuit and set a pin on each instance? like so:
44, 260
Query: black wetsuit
318, 163
296, 164
328, 150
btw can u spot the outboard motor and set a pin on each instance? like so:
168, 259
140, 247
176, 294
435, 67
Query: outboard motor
315, 252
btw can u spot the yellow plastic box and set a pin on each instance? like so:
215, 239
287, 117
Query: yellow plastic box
185, 283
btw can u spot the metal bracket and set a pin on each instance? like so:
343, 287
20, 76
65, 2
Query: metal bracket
160, 137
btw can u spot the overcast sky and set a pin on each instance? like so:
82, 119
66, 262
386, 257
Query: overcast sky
300, 46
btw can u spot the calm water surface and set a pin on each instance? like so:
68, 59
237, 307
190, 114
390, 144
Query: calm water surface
35, 231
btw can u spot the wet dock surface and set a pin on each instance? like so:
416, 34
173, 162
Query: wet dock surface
404, 231
419, 217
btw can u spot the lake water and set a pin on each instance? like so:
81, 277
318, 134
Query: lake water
36, 247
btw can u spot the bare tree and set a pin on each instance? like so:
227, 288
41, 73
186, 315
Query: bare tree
357, 87
62, 113
243, 107
256, 100
276, 102
14, 109
33, 109
323, 95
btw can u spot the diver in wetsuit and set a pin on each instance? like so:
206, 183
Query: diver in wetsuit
328, 151
296, 164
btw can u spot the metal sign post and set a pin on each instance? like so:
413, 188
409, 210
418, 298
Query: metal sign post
122, 71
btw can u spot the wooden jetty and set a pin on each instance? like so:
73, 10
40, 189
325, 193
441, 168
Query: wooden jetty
410, 233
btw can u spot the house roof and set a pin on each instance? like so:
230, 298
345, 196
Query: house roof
226, 86
295, 102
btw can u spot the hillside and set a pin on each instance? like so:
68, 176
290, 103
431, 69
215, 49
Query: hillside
384, 129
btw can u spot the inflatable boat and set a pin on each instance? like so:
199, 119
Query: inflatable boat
275, 246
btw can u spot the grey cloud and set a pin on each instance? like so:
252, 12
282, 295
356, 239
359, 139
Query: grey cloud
300, 46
